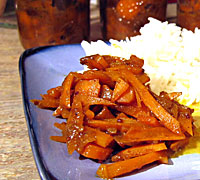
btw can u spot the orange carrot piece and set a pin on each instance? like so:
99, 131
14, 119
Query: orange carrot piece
106, 92
101, 75
150, 120
104, 124
143, 78
94, 151
89, 114
122, 167
175, 146
94, 61
143, 114
165, 118
60, 126
60, 139
89, 100
186, 124
100, 60
151, 134
138, 151
74, 126
58, 111
46, 102
55, 92
88, 87
120, 87
128, 97
104, 114
102, 139
65, 96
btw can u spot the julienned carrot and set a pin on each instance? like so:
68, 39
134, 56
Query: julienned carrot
186, 124
104, 114
106, 124
88, 87
46, 102
175, 146
74, 125
165, 118
128, 97
120, 87
138, 151
60, 139
142, 113
101, 75
94, 151
60, 126
126, 166
151, 134
89, 100
65, 96
106, 92
102, 139
55, 92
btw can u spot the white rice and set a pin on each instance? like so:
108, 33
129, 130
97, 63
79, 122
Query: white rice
171, 57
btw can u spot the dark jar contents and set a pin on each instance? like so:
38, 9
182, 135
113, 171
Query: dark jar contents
188, 14
52, 22
124, 18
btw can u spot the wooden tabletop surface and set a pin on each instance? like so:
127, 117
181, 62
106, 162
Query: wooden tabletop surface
16, 160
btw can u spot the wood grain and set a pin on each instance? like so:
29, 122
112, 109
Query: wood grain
16, 160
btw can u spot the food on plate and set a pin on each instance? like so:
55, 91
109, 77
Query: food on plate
113, 115
171, 58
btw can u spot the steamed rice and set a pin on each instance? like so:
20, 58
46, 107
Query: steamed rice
171, 57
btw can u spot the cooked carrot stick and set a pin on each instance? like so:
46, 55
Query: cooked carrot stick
106, 92
122, 167
60, 139
101, 75
151, 134
88, 87
104, 125
94, 151
138, 151
104, 114
120, 87
60, 126
74, 125
143, 78
46, 103
55, 92
89, 100
65, 96
102, 139
186, 124
142, 113
175, 146
94, 61
128, 97
165, 118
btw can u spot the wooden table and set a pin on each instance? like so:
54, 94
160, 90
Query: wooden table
16, 160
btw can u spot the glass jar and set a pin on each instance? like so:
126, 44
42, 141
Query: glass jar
52, 22
188, 14
124, 18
